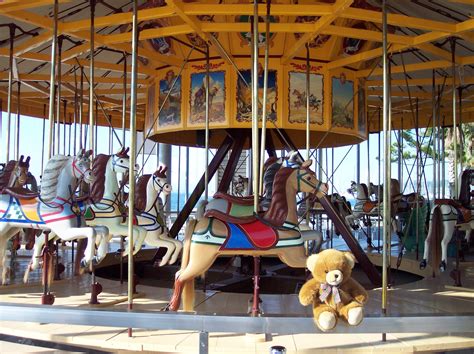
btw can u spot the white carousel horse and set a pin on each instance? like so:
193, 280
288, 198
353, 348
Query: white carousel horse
447, 215
150, 214
54, 209
365, 207
105, 208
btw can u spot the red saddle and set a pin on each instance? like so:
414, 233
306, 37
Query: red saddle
369, 206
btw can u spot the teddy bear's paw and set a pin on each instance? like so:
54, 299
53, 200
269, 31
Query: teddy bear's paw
355, 316
306, 299
326, 321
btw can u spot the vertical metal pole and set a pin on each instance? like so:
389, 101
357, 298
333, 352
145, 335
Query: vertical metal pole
368, 161
17, 130
81, 110
76, 111
358, 164
443, 164
133, 154
206, 130
64, 127
124, 98
52, 87
187, 172
255, 164
58, 100
43, 140
455, 133
265, 89
91, 81
10, 91
179, 179
308, 118
387, 165
418, 177
434, 132
461, 143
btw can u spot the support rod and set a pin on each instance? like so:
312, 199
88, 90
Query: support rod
124, 98
10, 91
206, 130
387, 180
17, 130
57, 143
255, 164
52, 87
455, 123
133, 148
434, 132
91, 80
265, 94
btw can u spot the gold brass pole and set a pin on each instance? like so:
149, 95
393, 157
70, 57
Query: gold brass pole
255, 164
91, 81
206, 130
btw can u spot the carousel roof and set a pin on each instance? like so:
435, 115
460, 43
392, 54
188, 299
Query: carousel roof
340, 34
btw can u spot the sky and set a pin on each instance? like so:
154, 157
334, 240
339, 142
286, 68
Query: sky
31, 144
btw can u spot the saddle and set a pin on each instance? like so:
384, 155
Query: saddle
229, 218
20, 193
233, 199
462, 211
369, 206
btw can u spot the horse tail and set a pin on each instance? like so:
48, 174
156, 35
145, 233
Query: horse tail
434, 236
188, 289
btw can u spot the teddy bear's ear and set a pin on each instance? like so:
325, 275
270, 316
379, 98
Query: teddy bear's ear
311, 262
350, 258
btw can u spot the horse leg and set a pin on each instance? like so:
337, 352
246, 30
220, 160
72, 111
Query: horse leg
178, 246
68, 234
153, 240
448, 235
6, 233
103, 237
201, 258
35, 258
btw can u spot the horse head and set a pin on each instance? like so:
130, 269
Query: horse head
307, 182
81, 166
121, 161
160, 181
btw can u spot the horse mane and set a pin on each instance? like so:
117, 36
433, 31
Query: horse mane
365, 189
140, 193
98, 170
271, 167
49, 180
7, 173
464, 192
278, 210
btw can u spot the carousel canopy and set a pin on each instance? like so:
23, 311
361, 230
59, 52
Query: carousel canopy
344, 38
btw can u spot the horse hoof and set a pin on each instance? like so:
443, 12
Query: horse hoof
166, 308
442, 266
423, 264
84, 263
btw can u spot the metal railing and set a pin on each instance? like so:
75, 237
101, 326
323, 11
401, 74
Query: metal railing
206, 323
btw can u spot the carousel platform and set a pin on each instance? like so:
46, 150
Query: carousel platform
427, 297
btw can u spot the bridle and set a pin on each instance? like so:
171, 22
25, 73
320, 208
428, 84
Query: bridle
300, 178
115, 158
76, 169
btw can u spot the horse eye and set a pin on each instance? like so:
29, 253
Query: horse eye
308, 178
121, 160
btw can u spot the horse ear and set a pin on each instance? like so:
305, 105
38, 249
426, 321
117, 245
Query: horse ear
27, 160
165, 169
21, 158
88, 153
307, 163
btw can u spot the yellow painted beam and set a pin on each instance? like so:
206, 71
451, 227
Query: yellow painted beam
430, 48
119, 19
149, 33
363, 56
429, 65
32, 43
195, 24
319, 25
418, 82
195, 9
469, 60
398, 20
374, 36
7, 6
70, 78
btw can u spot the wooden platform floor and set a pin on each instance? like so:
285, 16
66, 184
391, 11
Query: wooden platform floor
427, 296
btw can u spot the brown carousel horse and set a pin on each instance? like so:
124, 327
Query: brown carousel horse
274, 232
15, 177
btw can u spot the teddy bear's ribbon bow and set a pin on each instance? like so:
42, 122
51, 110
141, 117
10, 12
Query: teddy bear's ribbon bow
326, 290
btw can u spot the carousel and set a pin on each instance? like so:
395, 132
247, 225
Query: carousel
268, 91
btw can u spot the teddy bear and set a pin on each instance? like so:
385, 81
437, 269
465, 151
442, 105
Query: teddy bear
332, 291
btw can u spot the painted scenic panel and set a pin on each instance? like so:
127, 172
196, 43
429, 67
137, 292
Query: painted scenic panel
216, 98
297, 98
171, 112
342, 103
244, 95
362, 118
150, 106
